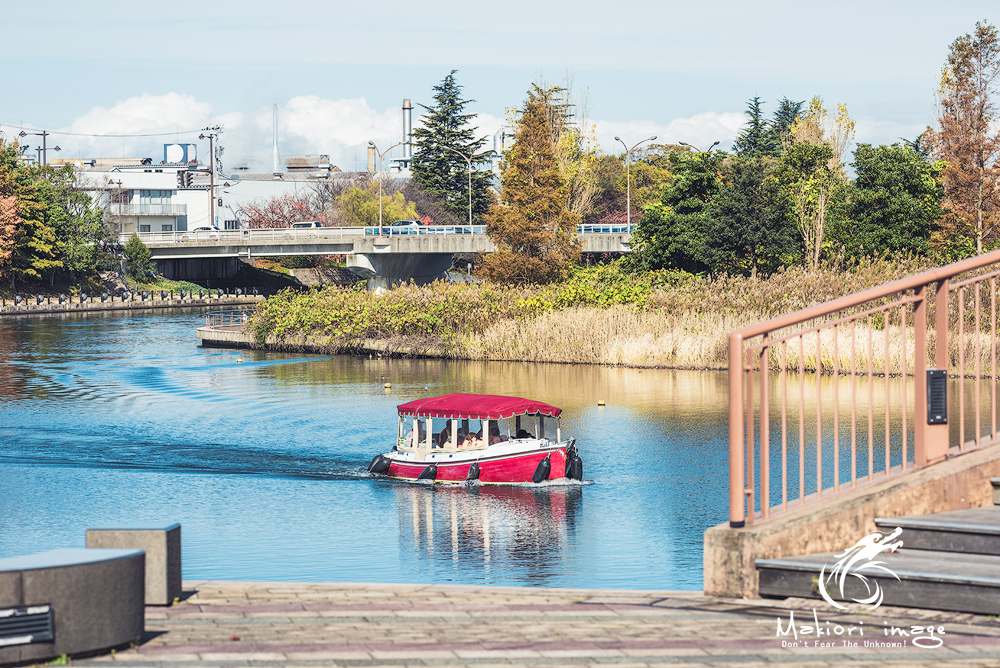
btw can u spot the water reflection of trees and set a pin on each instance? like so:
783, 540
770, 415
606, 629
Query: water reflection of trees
522, 534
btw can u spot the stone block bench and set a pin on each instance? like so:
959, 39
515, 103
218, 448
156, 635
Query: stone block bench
163, 556
70, 601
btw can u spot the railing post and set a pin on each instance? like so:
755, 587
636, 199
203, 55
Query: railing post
765, 431
737, 502
920, 427
937, 435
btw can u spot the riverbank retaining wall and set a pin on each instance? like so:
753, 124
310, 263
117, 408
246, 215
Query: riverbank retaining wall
244, 338
24, 309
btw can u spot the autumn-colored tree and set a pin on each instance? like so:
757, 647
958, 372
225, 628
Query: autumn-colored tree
9, 222
279, 212
573, 143
534, 231
966, 140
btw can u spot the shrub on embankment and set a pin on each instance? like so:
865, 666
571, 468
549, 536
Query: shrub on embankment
602, 315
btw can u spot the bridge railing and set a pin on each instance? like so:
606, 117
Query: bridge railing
841, 394
317, 233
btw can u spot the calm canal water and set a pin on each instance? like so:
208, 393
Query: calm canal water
125, 419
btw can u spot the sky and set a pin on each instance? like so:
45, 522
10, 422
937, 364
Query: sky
682, 71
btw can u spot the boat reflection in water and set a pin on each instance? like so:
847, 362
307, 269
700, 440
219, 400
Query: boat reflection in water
509, 534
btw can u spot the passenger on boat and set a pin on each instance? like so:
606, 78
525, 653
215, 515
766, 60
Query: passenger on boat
444, 439
523, 433
421, 437
495, 435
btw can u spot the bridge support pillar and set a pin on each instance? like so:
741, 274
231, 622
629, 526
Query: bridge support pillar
387, 270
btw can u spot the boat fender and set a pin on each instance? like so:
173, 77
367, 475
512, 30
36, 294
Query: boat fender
574, 468
473, 473
379, 465
542, 470
429, 473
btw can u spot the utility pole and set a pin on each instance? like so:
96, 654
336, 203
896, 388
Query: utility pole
213, 132
42, 156
121, 227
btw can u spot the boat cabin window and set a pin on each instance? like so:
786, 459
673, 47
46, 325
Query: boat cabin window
534, 426
426, 433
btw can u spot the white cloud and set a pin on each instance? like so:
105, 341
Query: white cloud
699, 130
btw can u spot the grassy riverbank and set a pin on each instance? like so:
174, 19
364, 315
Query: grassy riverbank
601, 315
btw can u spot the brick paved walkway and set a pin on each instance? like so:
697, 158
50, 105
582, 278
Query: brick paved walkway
280, 624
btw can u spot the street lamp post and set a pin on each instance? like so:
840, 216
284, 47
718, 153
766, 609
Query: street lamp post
468, 159
380, 156
42, 155
682, 143
628, 177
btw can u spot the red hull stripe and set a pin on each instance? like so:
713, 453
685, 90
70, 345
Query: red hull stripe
517, 468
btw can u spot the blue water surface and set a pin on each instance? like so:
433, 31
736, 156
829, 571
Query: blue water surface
108, 420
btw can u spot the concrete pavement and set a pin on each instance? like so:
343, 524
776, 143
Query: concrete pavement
282, 624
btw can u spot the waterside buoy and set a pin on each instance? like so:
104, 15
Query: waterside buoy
600, 403
429, 473
542, 470
473, 473
380, 465
388, 386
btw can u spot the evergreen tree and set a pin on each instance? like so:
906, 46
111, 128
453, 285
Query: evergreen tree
894, 204
749, 230
138, 255
673, 232
437, 168
781, 124
755, 137
534, 231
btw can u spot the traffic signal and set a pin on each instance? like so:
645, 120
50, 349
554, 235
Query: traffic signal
184, 178
180, 179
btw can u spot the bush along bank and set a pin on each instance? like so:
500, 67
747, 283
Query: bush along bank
600, 315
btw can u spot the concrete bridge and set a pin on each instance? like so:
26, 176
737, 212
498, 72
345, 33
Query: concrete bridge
398, 254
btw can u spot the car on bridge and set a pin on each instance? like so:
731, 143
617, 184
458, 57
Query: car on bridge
405, 227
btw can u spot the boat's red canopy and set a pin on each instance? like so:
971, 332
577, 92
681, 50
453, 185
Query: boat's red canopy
477, 407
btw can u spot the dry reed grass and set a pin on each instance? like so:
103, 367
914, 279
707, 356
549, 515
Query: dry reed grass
667, 320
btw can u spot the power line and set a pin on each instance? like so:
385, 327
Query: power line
81, 134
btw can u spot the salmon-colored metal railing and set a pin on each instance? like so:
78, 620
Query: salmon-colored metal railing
834, 454
232, 320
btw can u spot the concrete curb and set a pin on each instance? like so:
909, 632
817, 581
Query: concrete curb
98, 307
245, 339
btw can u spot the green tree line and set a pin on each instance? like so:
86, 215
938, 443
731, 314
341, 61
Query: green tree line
49, 228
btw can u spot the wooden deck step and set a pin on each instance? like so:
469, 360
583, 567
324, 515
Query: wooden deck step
970, 531
931, 579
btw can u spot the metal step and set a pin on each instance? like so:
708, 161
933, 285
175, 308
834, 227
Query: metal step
969, 531
927, 579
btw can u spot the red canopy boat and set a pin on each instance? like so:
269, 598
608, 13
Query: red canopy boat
493, 439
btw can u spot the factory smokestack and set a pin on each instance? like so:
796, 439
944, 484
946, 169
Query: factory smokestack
407, 130
276, 170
